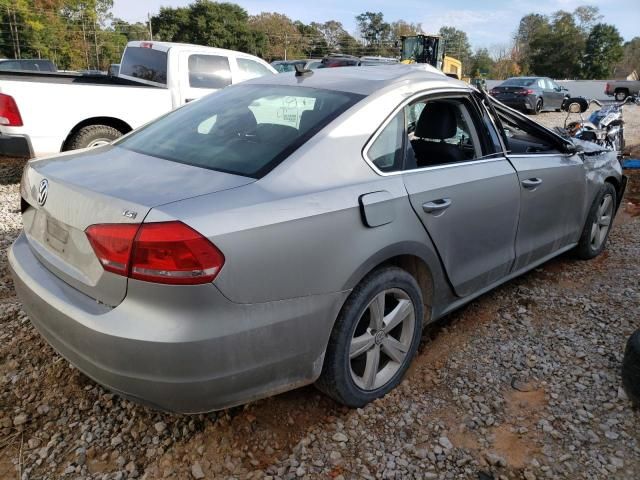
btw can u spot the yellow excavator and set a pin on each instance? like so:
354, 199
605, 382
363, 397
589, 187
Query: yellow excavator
429, 49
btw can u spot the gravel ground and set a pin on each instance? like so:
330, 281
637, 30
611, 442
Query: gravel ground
522, 383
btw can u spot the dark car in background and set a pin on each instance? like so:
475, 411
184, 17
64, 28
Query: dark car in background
339, 60
531, 94
283, 66
35, 65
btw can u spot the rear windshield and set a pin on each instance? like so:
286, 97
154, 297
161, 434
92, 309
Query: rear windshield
245, 129
145, 64
519, 82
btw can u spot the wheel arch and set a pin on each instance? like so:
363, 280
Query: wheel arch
617, 185
113, 122
419, 261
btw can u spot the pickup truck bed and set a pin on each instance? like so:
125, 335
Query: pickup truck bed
74, 78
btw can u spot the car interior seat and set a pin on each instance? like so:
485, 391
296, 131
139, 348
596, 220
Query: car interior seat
437, 123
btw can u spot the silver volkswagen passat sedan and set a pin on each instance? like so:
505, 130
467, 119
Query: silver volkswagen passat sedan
296, 229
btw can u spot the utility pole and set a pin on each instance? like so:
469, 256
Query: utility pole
285, 46
150, 30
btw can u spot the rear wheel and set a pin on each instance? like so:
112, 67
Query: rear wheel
598, 225
538, 109
93, 136
374, 339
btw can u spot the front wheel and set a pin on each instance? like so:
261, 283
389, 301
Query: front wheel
598, 225
374, 338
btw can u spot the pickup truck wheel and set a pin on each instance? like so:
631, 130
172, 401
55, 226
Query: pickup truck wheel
598, 225
92, 136
621, 95
374, 338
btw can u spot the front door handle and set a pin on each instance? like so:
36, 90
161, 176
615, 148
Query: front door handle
532, 183
436, 206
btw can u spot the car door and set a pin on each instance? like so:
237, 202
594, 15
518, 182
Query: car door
201, 74
552, 189
555, 93
464, 192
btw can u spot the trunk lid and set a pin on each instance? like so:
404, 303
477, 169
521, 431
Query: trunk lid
103, 185
508, 91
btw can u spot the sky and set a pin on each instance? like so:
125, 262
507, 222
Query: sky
487, 22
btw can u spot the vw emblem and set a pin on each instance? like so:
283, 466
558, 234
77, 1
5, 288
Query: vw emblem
43, 191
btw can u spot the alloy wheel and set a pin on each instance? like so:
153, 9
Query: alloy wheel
602, 223
382, 339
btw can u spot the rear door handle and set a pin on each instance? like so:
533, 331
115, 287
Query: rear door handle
436, 206
532, 183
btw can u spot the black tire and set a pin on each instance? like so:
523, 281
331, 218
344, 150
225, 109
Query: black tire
336, 379
91, 134
585, 249
621, 95
631, 368
538, 108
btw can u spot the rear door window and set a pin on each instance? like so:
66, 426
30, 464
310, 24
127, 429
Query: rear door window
209, 71
146, 64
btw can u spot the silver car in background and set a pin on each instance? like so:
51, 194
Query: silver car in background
296, 229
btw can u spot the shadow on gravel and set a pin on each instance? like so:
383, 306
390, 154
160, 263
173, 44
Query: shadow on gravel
11, 170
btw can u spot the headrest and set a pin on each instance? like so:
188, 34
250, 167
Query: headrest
437, 120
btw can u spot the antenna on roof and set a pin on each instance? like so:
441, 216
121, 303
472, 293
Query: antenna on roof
301, 71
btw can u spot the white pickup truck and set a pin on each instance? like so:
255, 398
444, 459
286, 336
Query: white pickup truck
45, 113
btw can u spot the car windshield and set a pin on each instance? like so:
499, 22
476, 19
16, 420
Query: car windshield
244, 130
519, 82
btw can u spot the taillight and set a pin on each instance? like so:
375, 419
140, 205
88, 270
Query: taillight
524, 91
9, 112
164, 252
112, 243
607, 88
493, 92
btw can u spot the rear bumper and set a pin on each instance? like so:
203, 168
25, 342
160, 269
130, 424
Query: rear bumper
15, 146
185, 349
520, 103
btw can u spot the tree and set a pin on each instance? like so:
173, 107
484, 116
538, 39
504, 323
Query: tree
505, 63
204, 22
331, 31
587, 16
481, 63
631, 55
456, 44
530, 26
603, 51
313, 41
283, 40
374, 31
402, 28
557, 52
